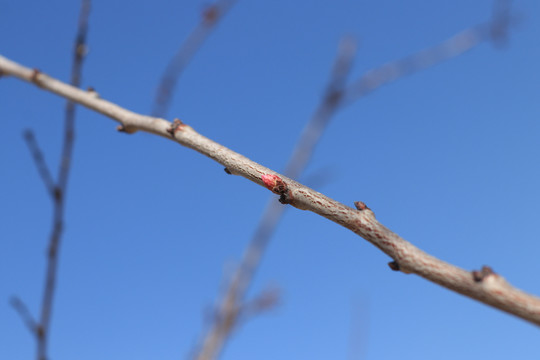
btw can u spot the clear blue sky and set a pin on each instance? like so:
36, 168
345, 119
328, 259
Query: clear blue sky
447, 158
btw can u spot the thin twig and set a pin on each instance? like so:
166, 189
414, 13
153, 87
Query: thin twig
489, 288
79, 51
336, 95
24, 313
496, 31
209, 19
58, 192
39, 160
266, 300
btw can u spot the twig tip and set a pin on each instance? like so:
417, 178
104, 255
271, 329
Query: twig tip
21, 308
28, 134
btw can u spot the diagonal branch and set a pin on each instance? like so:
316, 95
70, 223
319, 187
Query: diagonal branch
24, 313
484, 286
210, 17
496, 30
39, 160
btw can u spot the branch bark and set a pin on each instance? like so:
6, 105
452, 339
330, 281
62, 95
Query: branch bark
484, 286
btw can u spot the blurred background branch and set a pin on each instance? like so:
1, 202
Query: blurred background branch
210, 17
58, 190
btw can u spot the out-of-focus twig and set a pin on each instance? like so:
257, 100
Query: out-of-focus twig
210, 17
39, 160
41, 330
337, 94
496, 31
267, 299
24, 313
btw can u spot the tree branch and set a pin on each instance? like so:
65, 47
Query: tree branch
39, 160
24, 313
79, 51
210, 17
490, 288
57, 190
496, 31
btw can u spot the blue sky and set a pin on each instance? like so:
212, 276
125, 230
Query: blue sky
447, 158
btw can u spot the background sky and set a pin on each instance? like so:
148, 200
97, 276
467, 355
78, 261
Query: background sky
447, 158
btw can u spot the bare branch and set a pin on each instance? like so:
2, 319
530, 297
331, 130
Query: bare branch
493, 290
79, 52
39, 160
458, 44
265, 301
57, 191
21, 308
502, 18
210, 17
